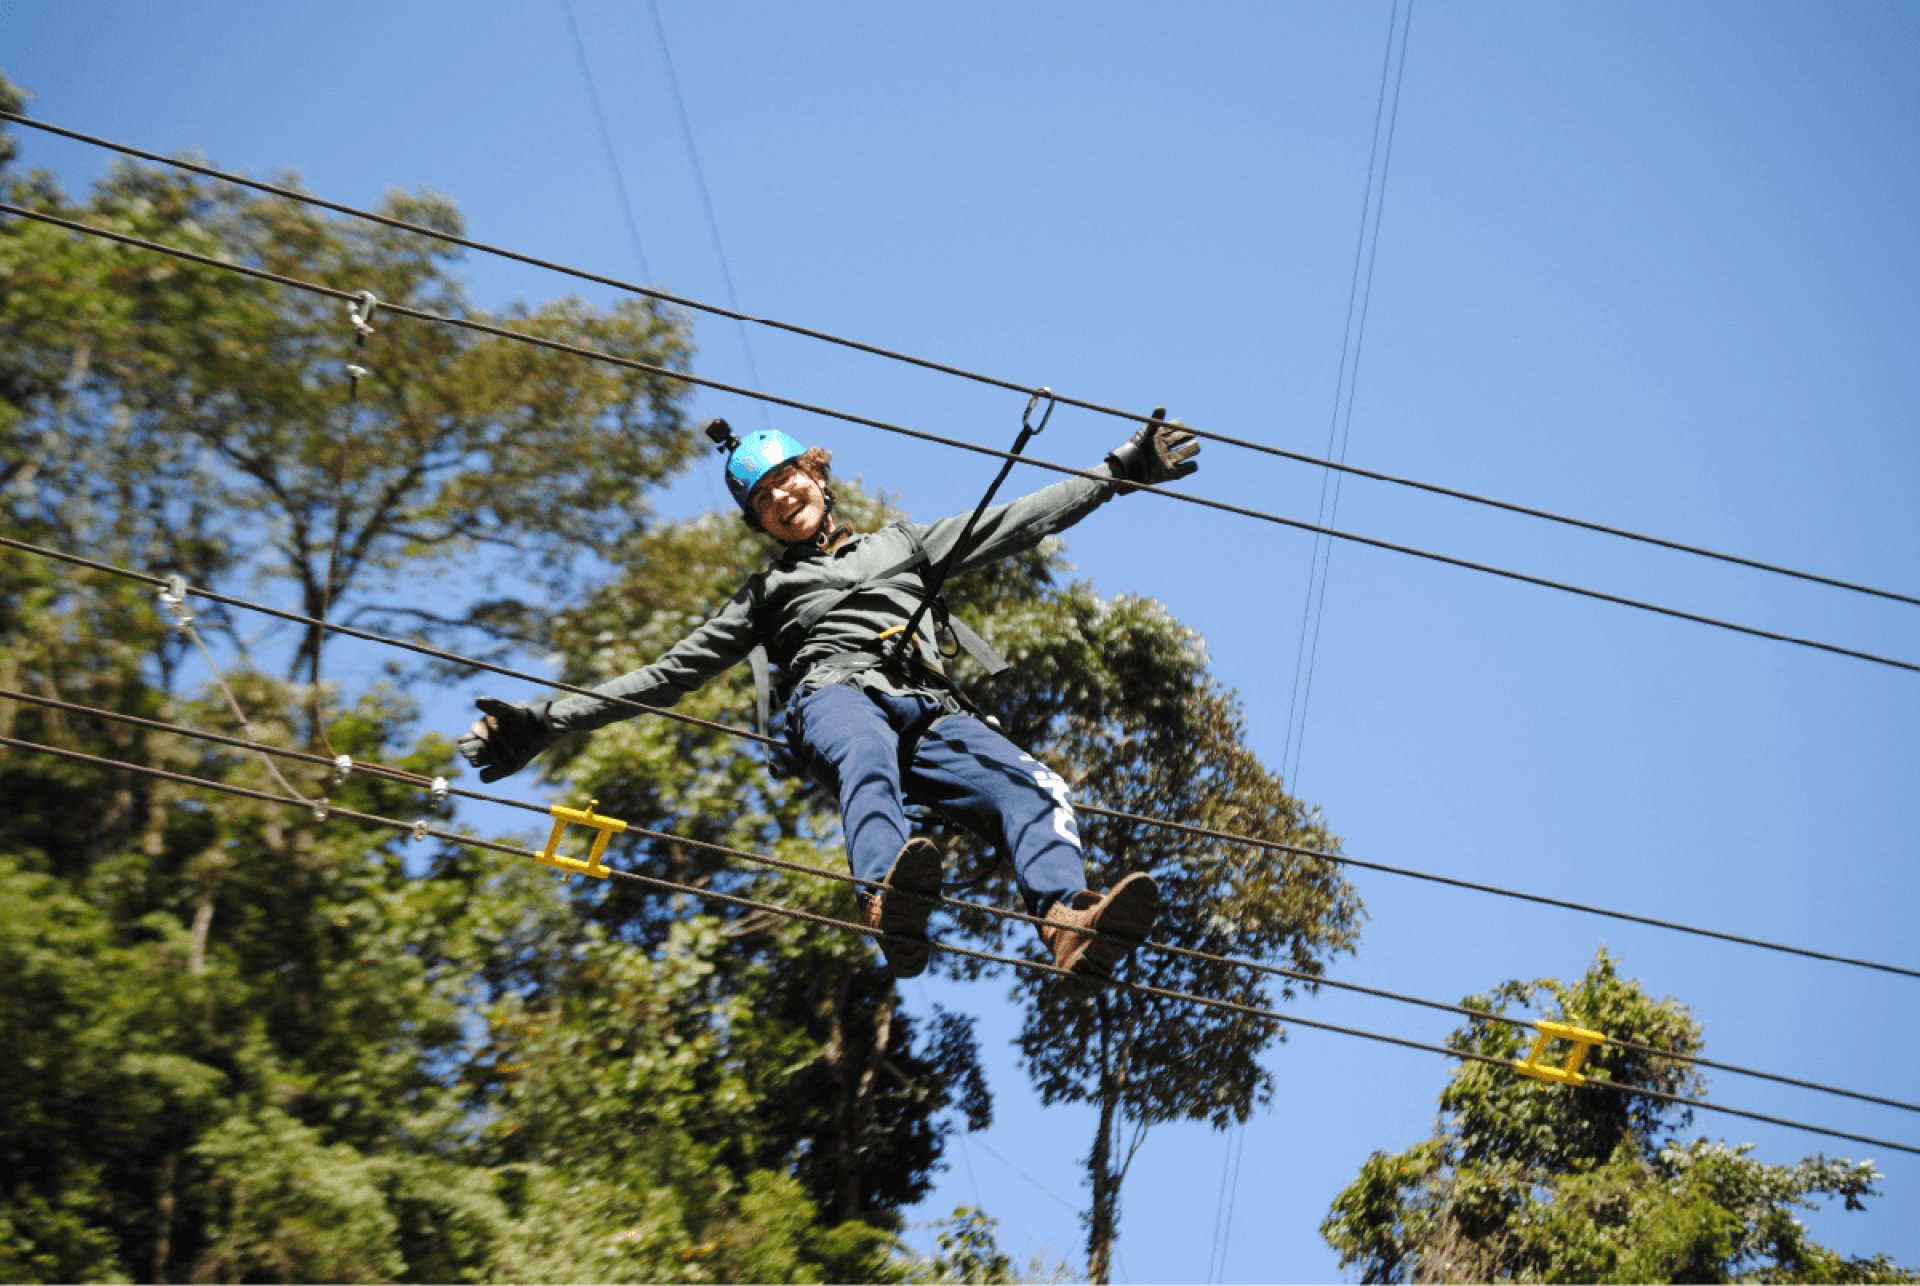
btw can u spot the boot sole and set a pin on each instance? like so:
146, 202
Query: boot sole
916, 875
1123, 925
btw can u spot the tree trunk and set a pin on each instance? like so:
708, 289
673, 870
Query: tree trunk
1101, 1228
848, 1198
202, 925
163, 1220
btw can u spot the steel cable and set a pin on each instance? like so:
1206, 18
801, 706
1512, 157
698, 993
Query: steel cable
417, 780
1188, 828
500, 332
811, 917
1299, 457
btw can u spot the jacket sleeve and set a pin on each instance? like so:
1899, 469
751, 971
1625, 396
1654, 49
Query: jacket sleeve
1020, 524
720, 642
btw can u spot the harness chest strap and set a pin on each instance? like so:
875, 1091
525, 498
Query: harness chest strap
821, 605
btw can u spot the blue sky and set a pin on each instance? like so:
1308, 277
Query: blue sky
1651, 265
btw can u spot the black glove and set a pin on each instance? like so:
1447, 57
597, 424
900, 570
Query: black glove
506, 736
1159, 452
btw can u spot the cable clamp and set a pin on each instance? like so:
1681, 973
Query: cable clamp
420, 829
357, 372
342, 765
362, 310
320, 810
440, 790
1026, 417
1565, 1073
173, 600
607, 827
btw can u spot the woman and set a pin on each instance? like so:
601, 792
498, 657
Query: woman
868, 714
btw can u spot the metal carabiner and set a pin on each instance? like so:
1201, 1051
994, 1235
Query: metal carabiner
1026, 417
362, 310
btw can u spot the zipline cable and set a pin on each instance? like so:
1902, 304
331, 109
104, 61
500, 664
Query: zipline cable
1014, 386
407, 778
795, 913
1274, 846
500, 332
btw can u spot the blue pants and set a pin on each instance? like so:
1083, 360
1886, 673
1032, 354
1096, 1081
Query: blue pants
850, 738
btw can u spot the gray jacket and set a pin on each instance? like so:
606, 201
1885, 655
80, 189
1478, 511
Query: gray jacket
839, 646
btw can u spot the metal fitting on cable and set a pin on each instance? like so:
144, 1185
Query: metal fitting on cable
320, 810
173, 599
420, 829
362, 310
1026, 417
440, 790
342, 765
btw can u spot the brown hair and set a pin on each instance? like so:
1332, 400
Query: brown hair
815, 461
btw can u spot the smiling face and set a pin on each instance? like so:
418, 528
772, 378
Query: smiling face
790, 504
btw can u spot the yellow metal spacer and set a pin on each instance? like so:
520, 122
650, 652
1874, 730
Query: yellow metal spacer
607, 827
1568, 1072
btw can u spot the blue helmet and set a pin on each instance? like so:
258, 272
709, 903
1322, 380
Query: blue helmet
752, 458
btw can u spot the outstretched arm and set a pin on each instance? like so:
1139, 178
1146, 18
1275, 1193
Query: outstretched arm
1160, 451
509, 734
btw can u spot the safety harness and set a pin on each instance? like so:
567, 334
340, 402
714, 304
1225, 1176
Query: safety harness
906, 662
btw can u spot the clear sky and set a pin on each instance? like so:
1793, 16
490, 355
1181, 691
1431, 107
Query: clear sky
1647, 264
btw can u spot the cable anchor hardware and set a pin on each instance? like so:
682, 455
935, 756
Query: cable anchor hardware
607, 827
342, 767
1567, 1072
440, 791
362, 309
173, 600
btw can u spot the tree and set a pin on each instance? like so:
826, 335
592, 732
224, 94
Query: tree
253, 1048
1107, 690
229, 398
1115, 692
1526, 1181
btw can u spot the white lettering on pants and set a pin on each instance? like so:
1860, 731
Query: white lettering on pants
1055, 785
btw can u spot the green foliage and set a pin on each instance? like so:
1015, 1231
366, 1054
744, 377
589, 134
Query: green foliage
1526, 1181
179, 415
1112, 691
252, 1044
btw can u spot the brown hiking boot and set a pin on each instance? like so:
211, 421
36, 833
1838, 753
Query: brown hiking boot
1120, 920
899, 910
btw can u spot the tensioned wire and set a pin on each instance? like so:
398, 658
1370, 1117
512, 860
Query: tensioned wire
795, 913
944, 368
962, 373
849, 417
1188, 828
408, 778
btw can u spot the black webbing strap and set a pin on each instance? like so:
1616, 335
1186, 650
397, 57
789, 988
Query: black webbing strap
938, 577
